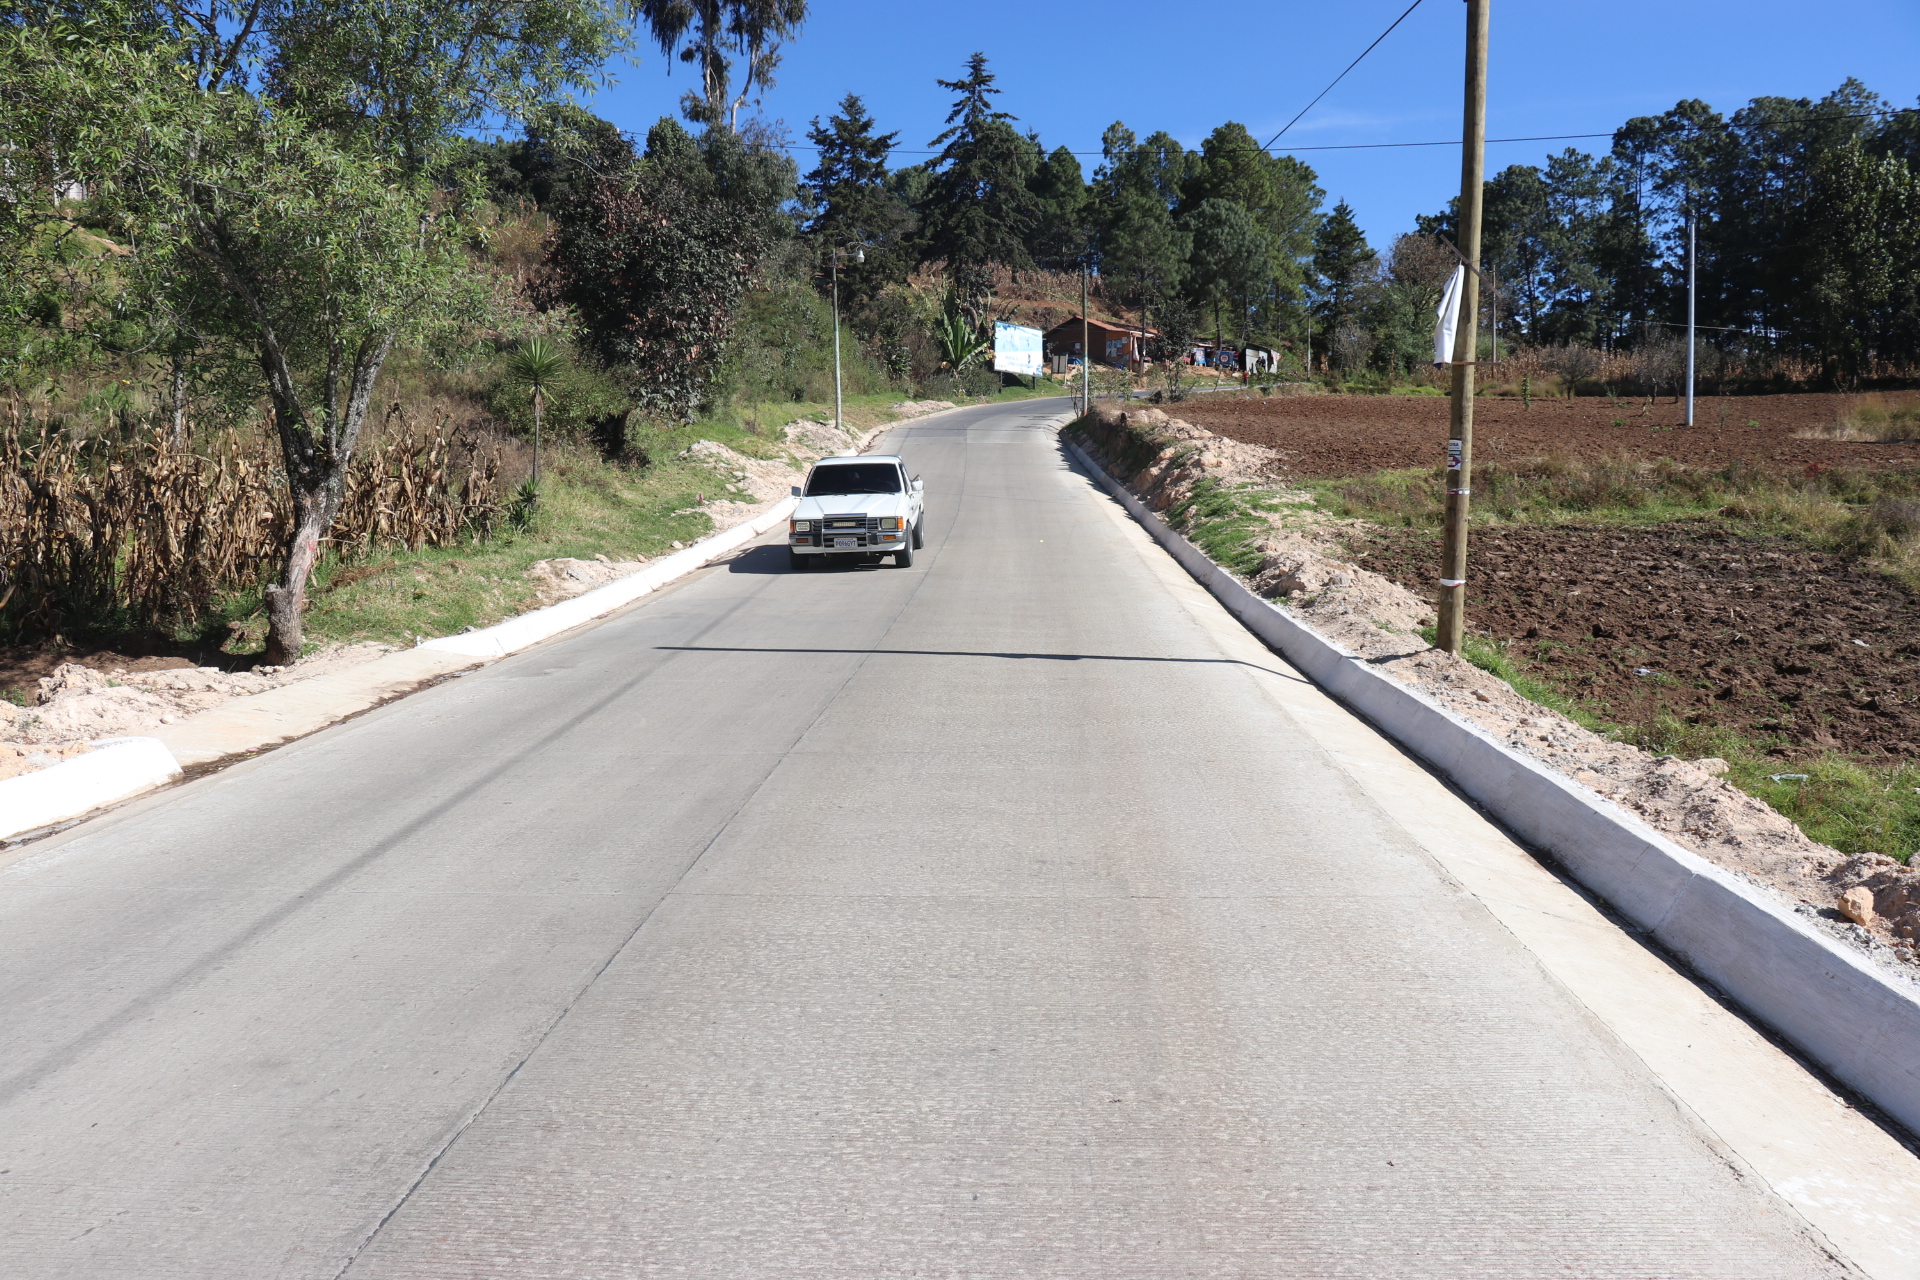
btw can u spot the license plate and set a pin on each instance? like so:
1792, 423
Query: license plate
846, 542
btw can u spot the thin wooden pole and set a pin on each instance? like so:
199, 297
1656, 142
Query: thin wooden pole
1086, 346
1451, 616
839, 419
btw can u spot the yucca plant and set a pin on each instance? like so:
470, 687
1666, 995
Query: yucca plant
537, 365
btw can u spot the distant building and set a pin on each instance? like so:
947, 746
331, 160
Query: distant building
1120, 346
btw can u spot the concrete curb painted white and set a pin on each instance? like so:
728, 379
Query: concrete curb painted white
114, 770
516, 634
1855, 1020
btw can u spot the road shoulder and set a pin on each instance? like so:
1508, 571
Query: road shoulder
1848, 1178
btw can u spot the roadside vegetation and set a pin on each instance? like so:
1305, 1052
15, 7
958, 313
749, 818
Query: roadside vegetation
1863, 513
1855, 793
1853, 804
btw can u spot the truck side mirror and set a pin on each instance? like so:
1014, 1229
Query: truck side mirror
918, 484
796, 491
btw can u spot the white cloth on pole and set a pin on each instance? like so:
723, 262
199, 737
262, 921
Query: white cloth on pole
1448, 322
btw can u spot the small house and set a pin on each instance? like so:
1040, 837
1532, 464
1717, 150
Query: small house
1121, 346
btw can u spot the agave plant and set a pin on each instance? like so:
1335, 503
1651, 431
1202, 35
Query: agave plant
960, 340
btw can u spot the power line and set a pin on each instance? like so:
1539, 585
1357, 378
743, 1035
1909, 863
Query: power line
1347, 146
1377, 146
1342, 76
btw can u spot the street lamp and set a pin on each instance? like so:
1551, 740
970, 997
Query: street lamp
859, 255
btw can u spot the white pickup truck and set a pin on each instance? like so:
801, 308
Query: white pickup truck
863, 506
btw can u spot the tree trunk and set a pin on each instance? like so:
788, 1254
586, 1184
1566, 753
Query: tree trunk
177, 401
316, 478
287, 601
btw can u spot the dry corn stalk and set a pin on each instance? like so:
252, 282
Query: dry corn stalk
148, 535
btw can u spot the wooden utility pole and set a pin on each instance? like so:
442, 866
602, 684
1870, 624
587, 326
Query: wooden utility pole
1086, 346
1453, 556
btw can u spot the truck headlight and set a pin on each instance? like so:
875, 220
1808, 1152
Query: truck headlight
803, 526
890, 522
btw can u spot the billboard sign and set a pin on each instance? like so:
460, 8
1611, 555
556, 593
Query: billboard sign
1016, 349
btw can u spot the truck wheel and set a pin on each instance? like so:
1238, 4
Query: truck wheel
918, 541
797, 562
903, 557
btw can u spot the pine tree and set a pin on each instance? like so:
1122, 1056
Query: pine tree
1344, 265
852, 202
1282, 196
1142, 251
1061, 231
1229, 259
978, 210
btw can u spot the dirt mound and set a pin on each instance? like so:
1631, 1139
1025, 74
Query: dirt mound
1689, 619
1305, 562
77, 705
920, 408
564, 577
811, 439
1349, 435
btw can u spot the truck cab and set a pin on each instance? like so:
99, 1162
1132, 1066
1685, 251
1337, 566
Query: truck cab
865, 506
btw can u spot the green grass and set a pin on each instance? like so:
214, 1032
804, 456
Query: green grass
586, 507
1871, 515
1225, 521
1854, 806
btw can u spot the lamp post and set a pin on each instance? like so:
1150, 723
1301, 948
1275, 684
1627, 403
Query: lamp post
859, 255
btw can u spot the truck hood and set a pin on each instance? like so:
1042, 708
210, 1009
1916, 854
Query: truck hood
849, 504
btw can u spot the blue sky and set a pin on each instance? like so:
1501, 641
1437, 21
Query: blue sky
1070, 69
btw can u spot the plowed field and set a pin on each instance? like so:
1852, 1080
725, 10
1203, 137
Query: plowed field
1751, 633
1349, 435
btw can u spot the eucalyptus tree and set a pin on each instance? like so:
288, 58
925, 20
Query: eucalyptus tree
709, 34
1854, 250
276, 164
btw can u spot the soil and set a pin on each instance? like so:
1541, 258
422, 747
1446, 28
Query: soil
1752, 633
23, 666
1347, 435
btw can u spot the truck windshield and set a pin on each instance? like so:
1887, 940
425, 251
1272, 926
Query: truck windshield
854, 477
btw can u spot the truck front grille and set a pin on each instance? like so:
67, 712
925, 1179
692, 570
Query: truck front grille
848, 526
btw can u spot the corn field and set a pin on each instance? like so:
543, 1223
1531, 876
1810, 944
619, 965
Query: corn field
148, 535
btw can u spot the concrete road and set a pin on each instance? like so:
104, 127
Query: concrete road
995, 917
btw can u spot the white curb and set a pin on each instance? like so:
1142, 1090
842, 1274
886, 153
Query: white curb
115, 769
516, 634
1853, 1018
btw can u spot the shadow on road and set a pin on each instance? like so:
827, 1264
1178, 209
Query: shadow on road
767, 560
976, 653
